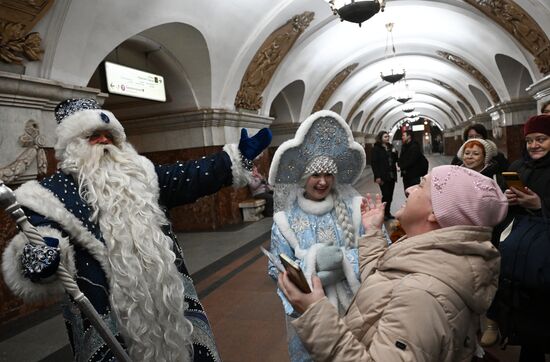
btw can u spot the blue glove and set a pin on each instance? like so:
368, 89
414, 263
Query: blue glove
251, 147
40, 261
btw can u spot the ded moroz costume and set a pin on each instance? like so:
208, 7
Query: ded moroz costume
105, 212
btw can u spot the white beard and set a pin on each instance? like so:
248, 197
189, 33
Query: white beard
147, 292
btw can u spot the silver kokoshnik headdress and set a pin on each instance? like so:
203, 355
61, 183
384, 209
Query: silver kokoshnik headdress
323, 143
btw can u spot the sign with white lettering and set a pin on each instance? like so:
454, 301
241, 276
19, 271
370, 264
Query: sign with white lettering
134, 83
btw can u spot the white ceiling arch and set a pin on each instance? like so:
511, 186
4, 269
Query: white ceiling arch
80, 34
422, 28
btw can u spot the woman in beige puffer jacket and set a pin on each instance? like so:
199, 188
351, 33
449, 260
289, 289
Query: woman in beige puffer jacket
420, 299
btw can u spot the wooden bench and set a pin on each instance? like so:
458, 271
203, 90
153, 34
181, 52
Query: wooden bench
252, 209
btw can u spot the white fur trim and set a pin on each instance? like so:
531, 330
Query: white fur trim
152, 177
82, 124
315, 207
281, 220
343, 297
310, 260
299, 139
332, 295
42, 201
349, 273
241, 176
24, 288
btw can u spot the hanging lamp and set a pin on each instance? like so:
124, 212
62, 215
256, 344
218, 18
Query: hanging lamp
391, 75
356, 11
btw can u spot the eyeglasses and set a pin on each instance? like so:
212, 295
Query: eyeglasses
539, 140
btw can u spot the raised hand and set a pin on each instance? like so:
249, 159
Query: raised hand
372, 212
251, 147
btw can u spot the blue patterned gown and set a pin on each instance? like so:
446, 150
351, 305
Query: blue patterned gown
310, 223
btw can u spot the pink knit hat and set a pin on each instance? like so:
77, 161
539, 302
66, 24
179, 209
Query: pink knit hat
461, 196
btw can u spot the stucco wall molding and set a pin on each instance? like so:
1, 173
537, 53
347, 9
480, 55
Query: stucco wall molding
267, 59
521, 26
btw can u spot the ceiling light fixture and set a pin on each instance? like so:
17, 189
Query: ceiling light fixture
404, 95
391, 75
356, 11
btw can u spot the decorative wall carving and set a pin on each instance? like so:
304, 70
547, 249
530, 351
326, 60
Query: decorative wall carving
17, 18
34, 143
359, 102
332, 86
456, 93
267, 59
14, 43
455, 59
521, 26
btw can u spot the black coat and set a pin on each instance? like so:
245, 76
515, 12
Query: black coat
383, 163
411, 161
535, 174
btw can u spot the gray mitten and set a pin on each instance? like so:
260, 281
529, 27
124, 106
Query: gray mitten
329, 265
330, 277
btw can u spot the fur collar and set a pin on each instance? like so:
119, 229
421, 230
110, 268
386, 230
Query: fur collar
315, 207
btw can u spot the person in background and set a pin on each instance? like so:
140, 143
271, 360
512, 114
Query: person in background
479, 131
412, 162
545, 108
317, 215
479, 155
534, 199
417, 300
384, 159
105, 212
260, 189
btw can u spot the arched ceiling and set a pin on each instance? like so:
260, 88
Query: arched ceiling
456, 57
423, 31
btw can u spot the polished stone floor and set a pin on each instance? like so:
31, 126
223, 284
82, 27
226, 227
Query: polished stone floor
231, 279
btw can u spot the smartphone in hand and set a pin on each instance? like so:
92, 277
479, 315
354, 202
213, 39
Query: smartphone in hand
512, 179
295, 273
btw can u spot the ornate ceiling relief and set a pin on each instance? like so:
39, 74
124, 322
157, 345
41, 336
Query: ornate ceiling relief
455, 59
359, 102
267, 59
522, 27
456, 93
331, 87
16, 19
33, 143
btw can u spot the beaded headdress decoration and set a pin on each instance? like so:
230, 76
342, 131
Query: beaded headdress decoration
71, 106
321, 164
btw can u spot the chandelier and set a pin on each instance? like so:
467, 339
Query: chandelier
404, 95
391, 75
356, 11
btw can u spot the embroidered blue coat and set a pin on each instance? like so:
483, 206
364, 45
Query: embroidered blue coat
55, 204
